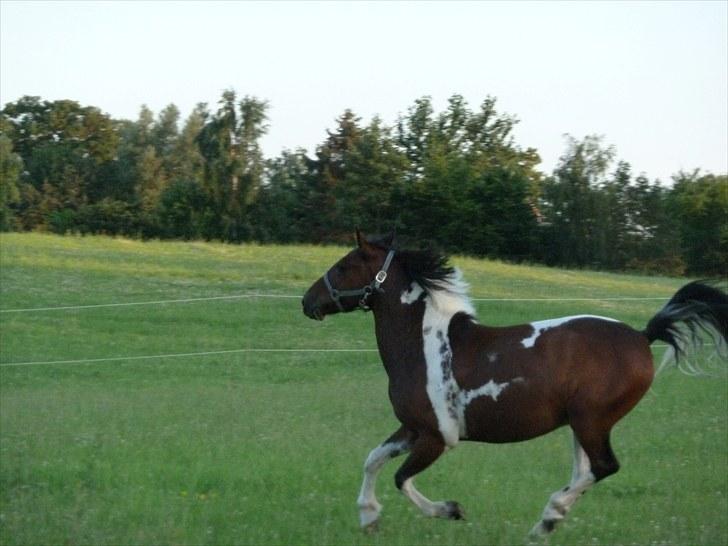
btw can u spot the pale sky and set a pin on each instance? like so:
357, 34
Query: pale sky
652, 77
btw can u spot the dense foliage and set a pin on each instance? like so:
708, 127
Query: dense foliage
455, 178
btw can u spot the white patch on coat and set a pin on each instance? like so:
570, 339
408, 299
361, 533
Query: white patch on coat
451, 297
447, 399
541, 326
491, 388
442, 389
412, 294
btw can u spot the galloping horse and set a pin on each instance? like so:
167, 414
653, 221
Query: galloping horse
452, 379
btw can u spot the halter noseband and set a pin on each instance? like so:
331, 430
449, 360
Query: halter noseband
364, 292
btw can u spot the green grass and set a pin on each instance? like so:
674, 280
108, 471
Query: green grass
267, 448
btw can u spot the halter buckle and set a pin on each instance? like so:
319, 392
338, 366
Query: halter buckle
381, 277
365, 296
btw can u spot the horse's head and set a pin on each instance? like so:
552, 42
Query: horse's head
351, 283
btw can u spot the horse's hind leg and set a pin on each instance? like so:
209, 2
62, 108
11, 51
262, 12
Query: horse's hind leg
592, 462
393, 446
425, 451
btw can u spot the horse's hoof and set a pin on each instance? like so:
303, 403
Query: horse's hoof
454, 510
543, 528
369, 517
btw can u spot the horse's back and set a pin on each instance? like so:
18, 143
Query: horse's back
561, 346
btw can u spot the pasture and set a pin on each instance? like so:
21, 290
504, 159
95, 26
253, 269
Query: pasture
266, 447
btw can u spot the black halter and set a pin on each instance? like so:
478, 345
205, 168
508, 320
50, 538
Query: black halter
364, 292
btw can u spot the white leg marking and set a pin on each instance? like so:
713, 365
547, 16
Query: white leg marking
561, 501
429, 508
541, 326
369, 508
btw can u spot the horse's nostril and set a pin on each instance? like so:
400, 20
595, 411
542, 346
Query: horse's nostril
308, 310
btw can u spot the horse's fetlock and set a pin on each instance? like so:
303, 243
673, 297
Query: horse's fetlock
555, 512
369, 506
544, 527
558, 504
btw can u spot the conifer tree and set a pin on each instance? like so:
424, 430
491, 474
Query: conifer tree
11, 166
233, 164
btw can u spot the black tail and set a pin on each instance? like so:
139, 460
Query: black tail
696, 308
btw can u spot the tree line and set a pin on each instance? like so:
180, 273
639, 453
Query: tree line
455, 178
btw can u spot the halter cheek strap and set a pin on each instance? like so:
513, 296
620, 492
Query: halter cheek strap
364, 292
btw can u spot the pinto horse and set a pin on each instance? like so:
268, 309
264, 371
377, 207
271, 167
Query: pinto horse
452, 379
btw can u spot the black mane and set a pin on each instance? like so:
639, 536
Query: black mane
427, 267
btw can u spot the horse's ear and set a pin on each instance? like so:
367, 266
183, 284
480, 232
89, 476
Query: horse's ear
362, 242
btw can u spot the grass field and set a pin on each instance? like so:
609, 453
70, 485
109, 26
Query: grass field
267, 448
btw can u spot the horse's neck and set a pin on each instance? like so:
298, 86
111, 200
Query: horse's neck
399, 334
403, 321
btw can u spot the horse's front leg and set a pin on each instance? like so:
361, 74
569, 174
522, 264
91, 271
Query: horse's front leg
425, 451
369, 509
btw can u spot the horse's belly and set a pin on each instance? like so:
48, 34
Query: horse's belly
501, 421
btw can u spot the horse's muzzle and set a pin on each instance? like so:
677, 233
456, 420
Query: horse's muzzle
311, 309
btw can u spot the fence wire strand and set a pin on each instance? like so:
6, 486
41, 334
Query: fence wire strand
290, 296
249, 350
